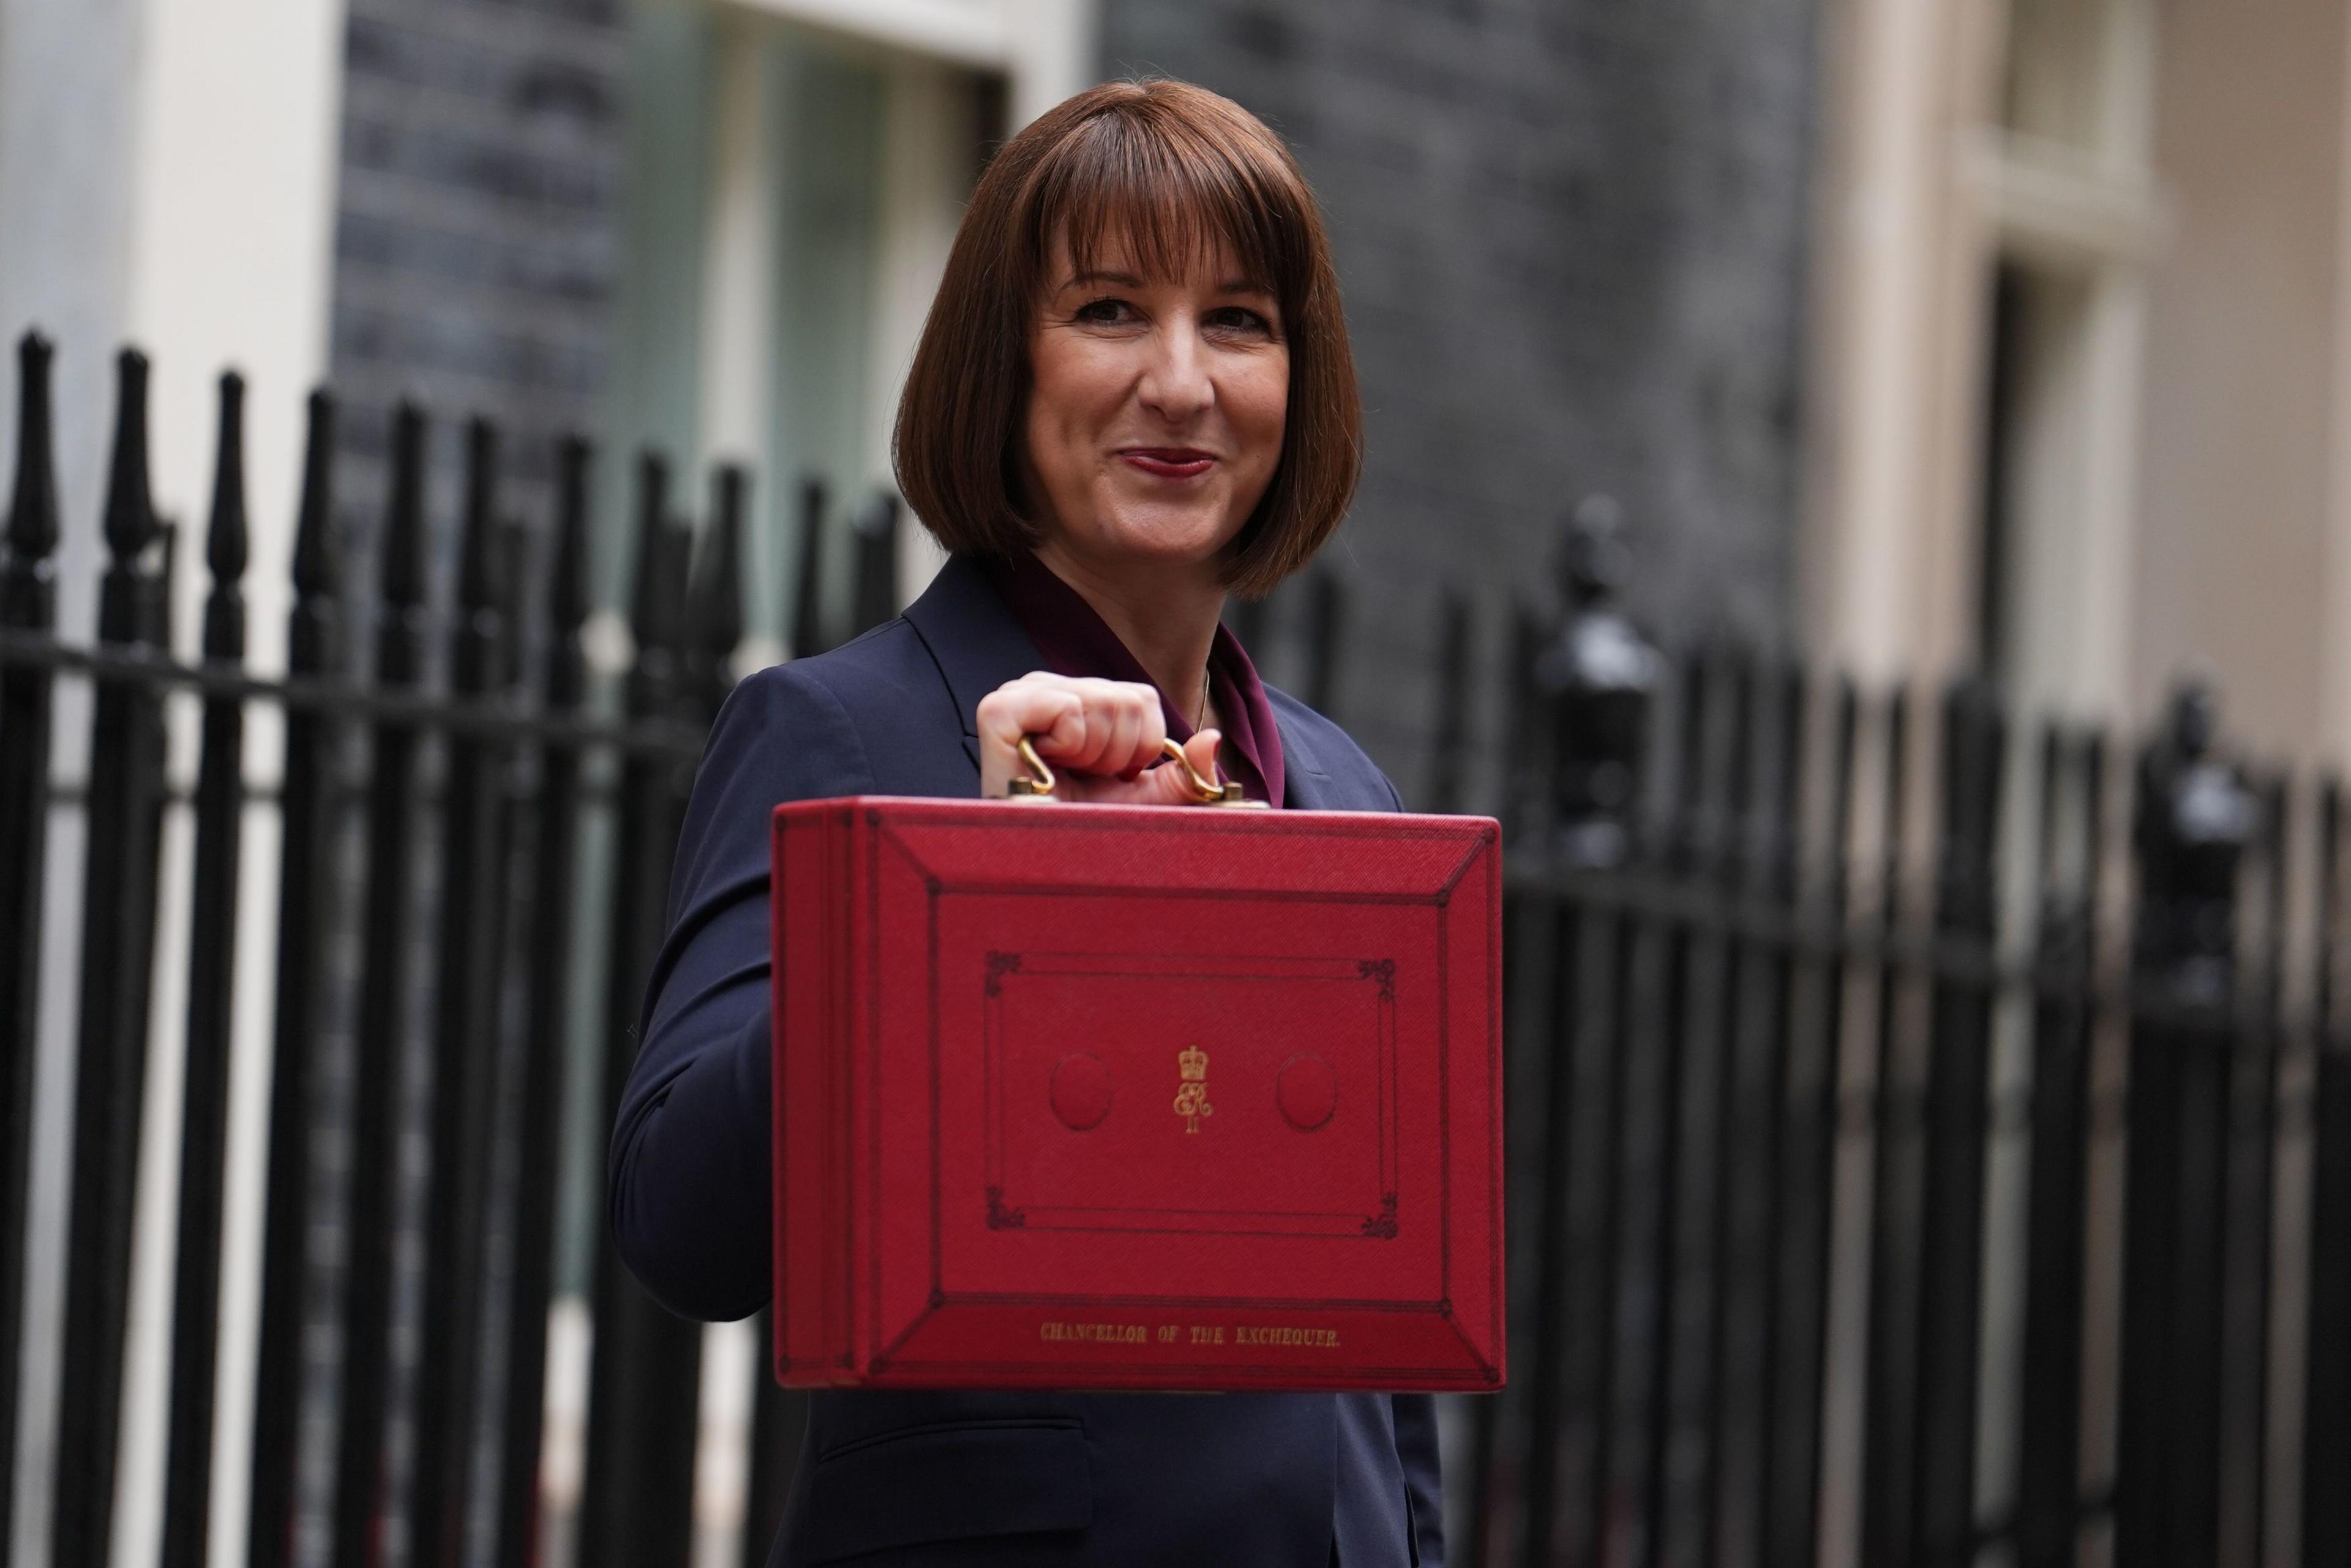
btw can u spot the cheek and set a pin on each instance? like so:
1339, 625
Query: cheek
1075, 389
1259, 405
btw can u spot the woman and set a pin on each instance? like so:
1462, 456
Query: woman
1133, 396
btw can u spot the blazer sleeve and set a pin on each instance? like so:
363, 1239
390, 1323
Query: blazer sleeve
688, 1176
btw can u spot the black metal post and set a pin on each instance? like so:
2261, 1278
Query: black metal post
1690, 1415
1886, 1473
637, 1506
384, 1017
212, 937
1550, 1038
877, 561
1795, 1413
2049, 1466
1516, 1455
314, 648
1759, 1116
2193, 818
1656, 1136
542, 1094
2326, 1398
465, 1039
805, 637
1595, 716
2252, 1044
1958, 1083
126, 815
28, 603
716, 592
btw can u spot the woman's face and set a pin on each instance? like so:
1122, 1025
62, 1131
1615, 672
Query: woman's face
1157, 416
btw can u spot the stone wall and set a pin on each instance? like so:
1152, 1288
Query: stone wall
1571, 237
477, 235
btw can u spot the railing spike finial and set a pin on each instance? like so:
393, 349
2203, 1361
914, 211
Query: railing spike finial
647, 617
225, 536
31, 531
316, 570
715, 598
570, 597
480, 646
478, 587
876, 530
807, 634
404, 540
129, 507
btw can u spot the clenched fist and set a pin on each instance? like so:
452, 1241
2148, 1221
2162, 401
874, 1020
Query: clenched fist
1103, 737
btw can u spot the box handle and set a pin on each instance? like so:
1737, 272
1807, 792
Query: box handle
1206, 792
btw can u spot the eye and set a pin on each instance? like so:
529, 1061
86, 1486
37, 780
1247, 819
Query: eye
1238, 320
1107, 311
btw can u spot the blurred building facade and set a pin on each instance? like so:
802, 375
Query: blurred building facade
2078, 401
1921, 336
1574, 243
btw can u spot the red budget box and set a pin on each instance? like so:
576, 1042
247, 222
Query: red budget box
1136, 1097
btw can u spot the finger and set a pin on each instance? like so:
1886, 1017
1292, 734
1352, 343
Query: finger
1150, 737
1113, 720
1031, 706
1018, 710
1201, 750
1130, 750
1169, 785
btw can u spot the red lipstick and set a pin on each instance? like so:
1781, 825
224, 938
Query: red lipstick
1169, 462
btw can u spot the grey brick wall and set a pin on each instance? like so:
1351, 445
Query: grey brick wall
1572, 236
478, 230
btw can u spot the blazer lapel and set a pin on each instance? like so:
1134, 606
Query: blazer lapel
972, 640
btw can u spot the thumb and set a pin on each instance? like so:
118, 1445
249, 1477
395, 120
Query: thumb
1201, 750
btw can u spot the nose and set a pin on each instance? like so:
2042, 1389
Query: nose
1176, 384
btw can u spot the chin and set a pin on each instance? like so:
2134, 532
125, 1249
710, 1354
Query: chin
1170, 534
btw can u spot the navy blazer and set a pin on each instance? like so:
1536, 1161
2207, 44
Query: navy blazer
1265, 1481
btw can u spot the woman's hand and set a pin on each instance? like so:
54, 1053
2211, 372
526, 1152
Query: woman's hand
1103, 737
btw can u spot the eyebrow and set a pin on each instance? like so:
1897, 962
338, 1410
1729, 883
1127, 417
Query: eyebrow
1128, 280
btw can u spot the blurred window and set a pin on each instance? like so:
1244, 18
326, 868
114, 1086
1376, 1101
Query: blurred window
791, 194
2067, 180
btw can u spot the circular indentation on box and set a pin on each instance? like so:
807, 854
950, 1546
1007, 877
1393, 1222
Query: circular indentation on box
1307, 1091
1082, 1091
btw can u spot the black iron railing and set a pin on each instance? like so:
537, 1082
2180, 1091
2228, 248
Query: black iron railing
1930, 1130
1925, 1138
437, 789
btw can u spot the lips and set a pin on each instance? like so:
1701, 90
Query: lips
1168, 462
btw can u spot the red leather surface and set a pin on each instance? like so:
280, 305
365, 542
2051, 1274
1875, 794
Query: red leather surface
1120, 1097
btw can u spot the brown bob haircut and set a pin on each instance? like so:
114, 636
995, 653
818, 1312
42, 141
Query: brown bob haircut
1170, 172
